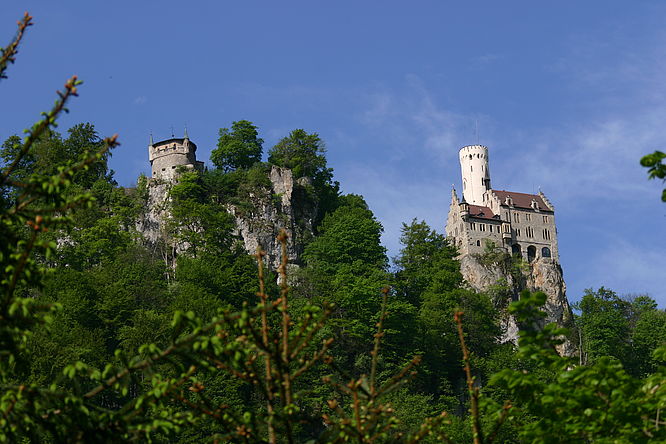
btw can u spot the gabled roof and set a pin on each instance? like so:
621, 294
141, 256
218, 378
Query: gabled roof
480, 212
522, 200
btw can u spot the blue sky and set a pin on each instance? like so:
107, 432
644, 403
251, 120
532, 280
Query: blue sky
567, 96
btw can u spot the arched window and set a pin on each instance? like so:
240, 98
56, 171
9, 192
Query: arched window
545, 252
478, 243
515, 249
531, 253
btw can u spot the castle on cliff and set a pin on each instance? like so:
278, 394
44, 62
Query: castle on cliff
522, 224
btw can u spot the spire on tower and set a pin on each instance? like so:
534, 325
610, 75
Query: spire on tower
186, 136
151, 139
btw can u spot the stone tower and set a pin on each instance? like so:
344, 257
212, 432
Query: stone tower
475, 173
166, 156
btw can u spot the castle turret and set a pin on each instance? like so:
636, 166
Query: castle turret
475, 173
166, 156
464, 208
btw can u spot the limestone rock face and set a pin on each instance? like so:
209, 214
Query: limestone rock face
481, 277
264, 212
546, 276
273, 210
542, 274
151, 222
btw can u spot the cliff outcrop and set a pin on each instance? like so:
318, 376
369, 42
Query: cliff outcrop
503, 278
260, 210
284, 205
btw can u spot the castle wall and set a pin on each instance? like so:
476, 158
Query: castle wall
471, 234
480, 232
532, 228
164, 167
166, 156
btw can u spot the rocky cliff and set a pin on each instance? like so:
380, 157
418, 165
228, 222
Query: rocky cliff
504, 279
276, 204
282, 206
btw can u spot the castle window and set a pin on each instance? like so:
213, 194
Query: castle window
516, 217
482, 227
546, 234
163, 169
173, 167
528, 217
545, 252
472, 225
518, 232
515, 249
478, 243
529, 232
545, 219
471, 168
531, 253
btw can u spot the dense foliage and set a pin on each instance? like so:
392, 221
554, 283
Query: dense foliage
107, 337
238, 147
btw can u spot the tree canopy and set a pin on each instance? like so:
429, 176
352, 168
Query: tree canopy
237, 148
304, 154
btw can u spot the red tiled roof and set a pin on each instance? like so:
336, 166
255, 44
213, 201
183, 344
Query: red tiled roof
481, 212
522, 200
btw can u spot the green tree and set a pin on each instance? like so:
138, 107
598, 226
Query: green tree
605, 325
425, 256
428, 277
237, 148
50, 152
349, 235
304, 154
656, 168
346, 266
600, 402
648, 332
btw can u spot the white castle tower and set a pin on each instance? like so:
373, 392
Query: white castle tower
475, 173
